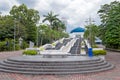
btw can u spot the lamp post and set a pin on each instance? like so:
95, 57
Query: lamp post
42, 32
37, 25
41, 36
89, 22
19, 35
37, 37
14, 33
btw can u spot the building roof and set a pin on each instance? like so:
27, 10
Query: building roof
78, 29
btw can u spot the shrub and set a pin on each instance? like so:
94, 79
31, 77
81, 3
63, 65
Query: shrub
82, 43
42, 49
8, 45
24, 45
17, 47
94, 46
30, 52
53, 44
2, 46
99, 52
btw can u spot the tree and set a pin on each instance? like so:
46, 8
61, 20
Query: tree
55, 23
56, 26
47, 35
110, 27
91, 33
7, 25
44, 34
59, 26
51, 18
28, 18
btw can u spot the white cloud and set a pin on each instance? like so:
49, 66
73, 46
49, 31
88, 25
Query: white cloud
6, 5
76, 12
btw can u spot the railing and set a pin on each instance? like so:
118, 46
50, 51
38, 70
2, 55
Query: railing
88, 48
68, 46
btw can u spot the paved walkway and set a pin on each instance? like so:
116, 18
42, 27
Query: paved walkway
114, 74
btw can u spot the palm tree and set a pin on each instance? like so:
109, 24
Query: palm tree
91, 33
51, 18
59, 26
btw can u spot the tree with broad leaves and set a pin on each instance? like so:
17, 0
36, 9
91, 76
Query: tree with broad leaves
110, 27
90, 33
28, 18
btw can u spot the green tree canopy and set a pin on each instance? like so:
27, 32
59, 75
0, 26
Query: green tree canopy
50, 17
28, 18
48, 35
59, 26
6, 27
91, 32
55, 23
22, 21
110, 27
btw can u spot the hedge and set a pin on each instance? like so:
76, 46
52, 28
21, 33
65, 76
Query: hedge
30, 52
99, 52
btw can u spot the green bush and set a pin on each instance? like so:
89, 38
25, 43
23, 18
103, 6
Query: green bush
99, 52
30, 52
94, 46
42, 49
2, 46
53, 44
8, 46
17, 47
82, 43
24, 45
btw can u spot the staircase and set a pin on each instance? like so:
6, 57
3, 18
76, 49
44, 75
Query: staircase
40, 65
75, 49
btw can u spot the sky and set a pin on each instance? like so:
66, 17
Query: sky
74, 12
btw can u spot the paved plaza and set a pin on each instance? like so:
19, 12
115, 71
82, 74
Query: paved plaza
112, 57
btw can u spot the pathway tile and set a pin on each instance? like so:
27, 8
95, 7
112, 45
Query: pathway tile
112, 57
